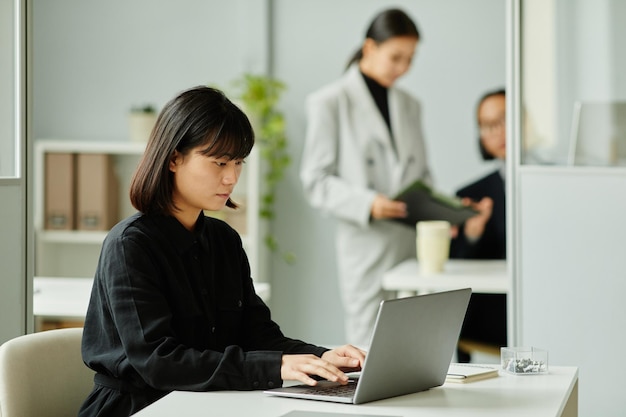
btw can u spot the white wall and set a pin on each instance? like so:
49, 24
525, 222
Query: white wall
93, 60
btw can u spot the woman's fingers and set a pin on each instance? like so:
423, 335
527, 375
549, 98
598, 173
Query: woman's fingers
347, 357
384, 208
301, 367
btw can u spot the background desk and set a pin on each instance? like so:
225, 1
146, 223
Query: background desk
482, 276
62, 302
551, 395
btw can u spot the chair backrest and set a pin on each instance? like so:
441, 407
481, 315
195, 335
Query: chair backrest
43, 374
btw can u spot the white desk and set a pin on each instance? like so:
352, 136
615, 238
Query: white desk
68, 298
61, 298
482, 276
551, 395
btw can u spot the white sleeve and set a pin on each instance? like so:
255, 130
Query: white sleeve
319, 171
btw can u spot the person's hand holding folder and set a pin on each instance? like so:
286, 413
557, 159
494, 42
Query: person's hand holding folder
424, 203
384, 208
475, 225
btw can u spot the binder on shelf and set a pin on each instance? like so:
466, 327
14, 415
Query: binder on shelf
60, 174
424, 203
96, 192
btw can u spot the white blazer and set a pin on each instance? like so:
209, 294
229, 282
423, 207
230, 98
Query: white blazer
348, 159
349, 156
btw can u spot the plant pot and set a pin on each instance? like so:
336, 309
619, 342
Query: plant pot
140, 125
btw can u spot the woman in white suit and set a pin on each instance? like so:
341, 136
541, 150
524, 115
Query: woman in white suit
363, 145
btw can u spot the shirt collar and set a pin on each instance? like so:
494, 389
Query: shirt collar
180, 237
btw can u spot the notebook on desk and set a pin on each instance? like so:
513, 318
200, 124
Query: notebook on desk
411, 347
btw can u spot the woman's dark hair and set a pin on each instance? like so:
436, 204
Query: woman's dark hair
200, 116
499, 92
386, 25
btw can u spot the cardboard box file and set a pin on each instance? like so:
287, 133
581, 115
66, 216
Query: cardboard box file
96, 192
59, 191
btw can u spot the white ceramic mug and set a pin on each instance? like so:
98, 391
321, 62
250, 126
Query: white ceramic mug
433, 245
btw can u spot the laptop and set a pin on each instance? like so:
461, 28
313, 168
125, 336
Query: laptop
412, 345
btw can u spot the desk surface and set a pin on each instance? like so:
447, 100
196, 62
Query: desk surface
484, 276
507, 395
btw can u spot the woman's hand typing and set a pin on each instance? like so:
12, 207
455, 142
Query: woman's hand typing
331, 366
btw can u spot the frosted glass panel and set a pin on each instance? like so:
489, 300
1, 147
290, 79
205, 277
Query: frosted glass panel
573, 82
598, 133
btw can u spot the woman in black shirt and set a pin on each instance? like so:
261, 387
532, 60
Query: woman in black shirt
173, 305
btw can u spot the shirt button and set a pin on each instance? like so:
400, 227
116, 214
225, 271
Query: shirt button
213, 329
255, 384
270, 384
239, 303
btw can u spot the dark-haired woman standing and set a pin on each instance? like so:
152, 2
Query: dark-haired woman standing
484, 236
173, 306
363, 145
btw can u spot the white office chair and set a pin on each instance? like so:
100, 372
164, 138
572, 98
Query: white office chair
43, 374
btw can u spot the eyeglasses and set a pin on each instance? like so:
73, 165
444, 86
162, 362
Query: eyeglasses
489, 128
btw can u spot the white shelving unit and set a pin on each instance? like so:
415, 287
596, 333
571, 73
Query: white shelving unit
74, 253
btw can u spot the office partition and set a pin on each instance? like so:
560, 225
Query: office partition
567, 215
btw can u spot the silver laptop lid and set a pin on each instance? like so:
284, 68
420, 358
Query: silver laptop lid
412, 344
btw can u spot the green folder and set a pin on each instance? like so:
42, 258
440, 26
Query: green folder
424, 203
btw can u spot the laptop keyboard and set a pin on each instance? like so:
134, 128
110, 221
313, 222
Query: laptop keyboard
346, 391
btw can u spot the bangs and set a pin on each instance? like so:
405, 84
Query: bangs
233, 139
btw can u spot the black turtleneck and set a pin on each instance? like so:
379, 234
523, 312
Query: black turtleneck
379, 93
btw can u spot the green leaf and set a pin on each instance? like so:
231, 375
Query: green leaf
289, 257
271, 242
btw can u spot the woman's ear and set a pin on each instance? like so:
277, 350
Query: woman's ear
369, 45
174, 160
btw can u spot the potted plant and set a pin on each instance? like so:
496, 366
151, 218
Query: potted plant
259, 95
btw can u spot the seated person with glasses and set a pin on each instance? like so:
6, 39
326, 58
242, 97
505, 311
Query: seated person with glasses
484, 235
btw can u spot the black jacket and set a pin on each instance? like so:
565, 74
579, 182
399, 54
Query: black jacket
485, 319
492, 244
176, 310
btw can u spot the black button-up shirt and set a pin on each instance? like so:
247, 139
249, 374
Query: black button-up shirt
171, 310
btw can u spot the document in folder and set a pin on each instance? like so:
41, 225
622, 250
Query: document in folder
423, 203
